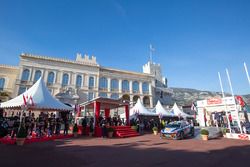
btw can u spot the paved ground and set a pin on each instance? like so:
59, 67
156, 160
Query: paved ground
146, 150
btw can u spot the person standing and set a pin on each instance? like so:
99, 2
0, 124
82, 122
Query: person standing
66, 126
103, 126
84, 125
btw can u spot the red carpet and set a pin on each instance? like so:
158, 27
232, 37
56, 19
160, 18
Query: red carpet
124, 131
8, 140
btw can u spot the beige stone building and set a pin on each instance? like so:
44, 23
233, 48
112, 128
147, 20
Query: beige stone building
8, 76
76, 81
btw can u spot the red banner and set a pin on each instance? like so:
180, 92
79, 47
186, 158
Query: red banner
214, 101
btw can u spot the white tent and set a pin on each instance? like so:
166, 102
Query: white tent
160, 110
38, 98
179, 112
140, 110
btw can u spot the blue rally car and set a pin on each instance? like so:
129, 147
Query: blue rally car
177, 130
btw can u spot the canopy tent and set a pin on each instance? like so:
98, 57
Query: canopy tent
37, 98
159, 110
139, 109
178, 112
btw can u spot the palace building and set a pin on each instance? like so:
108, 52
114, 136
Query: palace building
77, 81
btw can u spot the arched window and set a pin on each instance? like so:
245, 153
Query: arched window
103, 94
25, 75
114, 85
114, 96
38, 74
2, 82
135, 87
103, 83
50, 79
125, 86
146, 101
90, 95
21, 90
135, 98
126, 97
91, 82
79, 81
65, 80
145, 88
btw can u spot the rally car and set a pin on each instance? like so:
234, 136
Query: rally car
177, 130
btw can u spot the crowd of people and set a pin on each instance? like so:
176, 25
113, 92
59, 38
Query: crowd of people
45, 124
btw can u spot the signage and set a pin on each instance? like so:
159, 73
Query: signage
214, 101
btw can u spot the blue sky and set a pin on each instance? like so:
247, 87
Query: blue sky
193, 39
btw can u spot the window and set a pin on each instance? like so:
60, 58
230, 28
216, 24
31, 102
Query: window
2, 82
21, 90
114, 84
103, 83
102, 94
114, 96
25, 75
125, 86
79, 81
51, 78
91, 82
146, 101
145, 88
65, 80
50, 91
38, 74
135, 87
90, 96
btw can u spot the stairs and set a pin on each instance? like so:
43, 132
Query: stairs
124, 131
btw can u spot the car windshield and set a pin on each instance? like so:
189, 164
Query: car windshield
173, 125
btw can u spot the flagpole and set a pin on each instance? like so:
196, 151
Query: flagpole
247, 73
223, 95
230, 84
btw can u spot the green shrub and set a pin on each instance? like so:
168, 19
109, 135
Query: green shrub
224, 131
204, 132
75, 128
134, 127
22, 133
110, 129
155, 128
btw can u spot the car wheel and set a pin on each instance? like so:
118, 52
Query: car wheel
192, 132
181, 135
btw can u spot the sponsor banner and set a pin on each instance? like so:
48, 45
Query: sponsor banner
238, 136
214, 101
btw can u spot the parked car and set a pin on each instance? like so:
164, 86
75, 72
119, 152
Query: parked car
177, 130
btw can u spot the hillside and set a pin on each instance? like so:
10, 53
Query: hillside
185, 96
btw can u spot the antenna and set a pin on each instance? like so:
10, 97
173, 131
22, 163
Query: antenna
151, 50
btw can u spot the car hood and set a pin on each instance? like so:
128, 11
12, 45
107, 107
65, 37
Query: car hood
169, 130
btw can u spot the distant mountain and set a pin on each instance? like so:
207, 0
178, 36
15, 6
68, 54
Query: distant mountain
185, 96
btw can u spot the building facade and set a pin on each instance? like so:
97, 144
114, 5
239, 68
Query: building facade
77, 81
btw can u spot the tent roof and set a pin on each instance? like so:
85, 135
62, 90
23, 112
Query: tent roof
105, 103
160, 110
178, 112
42, 99
140, 109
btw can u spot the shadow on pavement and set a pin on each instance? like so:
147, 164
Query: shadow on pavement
67, 153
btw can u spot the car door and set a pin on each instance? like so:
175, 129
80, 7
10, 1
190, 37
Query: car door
186, 128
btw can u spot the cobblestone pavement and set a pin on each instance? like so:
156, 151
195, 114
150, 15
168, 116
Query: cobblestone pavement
146, 150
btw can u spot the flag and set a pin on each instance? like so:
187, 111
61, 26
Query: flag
24, 100
240, 100
32, 102
193, 107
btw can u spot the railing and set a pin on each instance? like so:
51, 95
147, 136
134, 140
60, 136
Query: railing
22, 82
